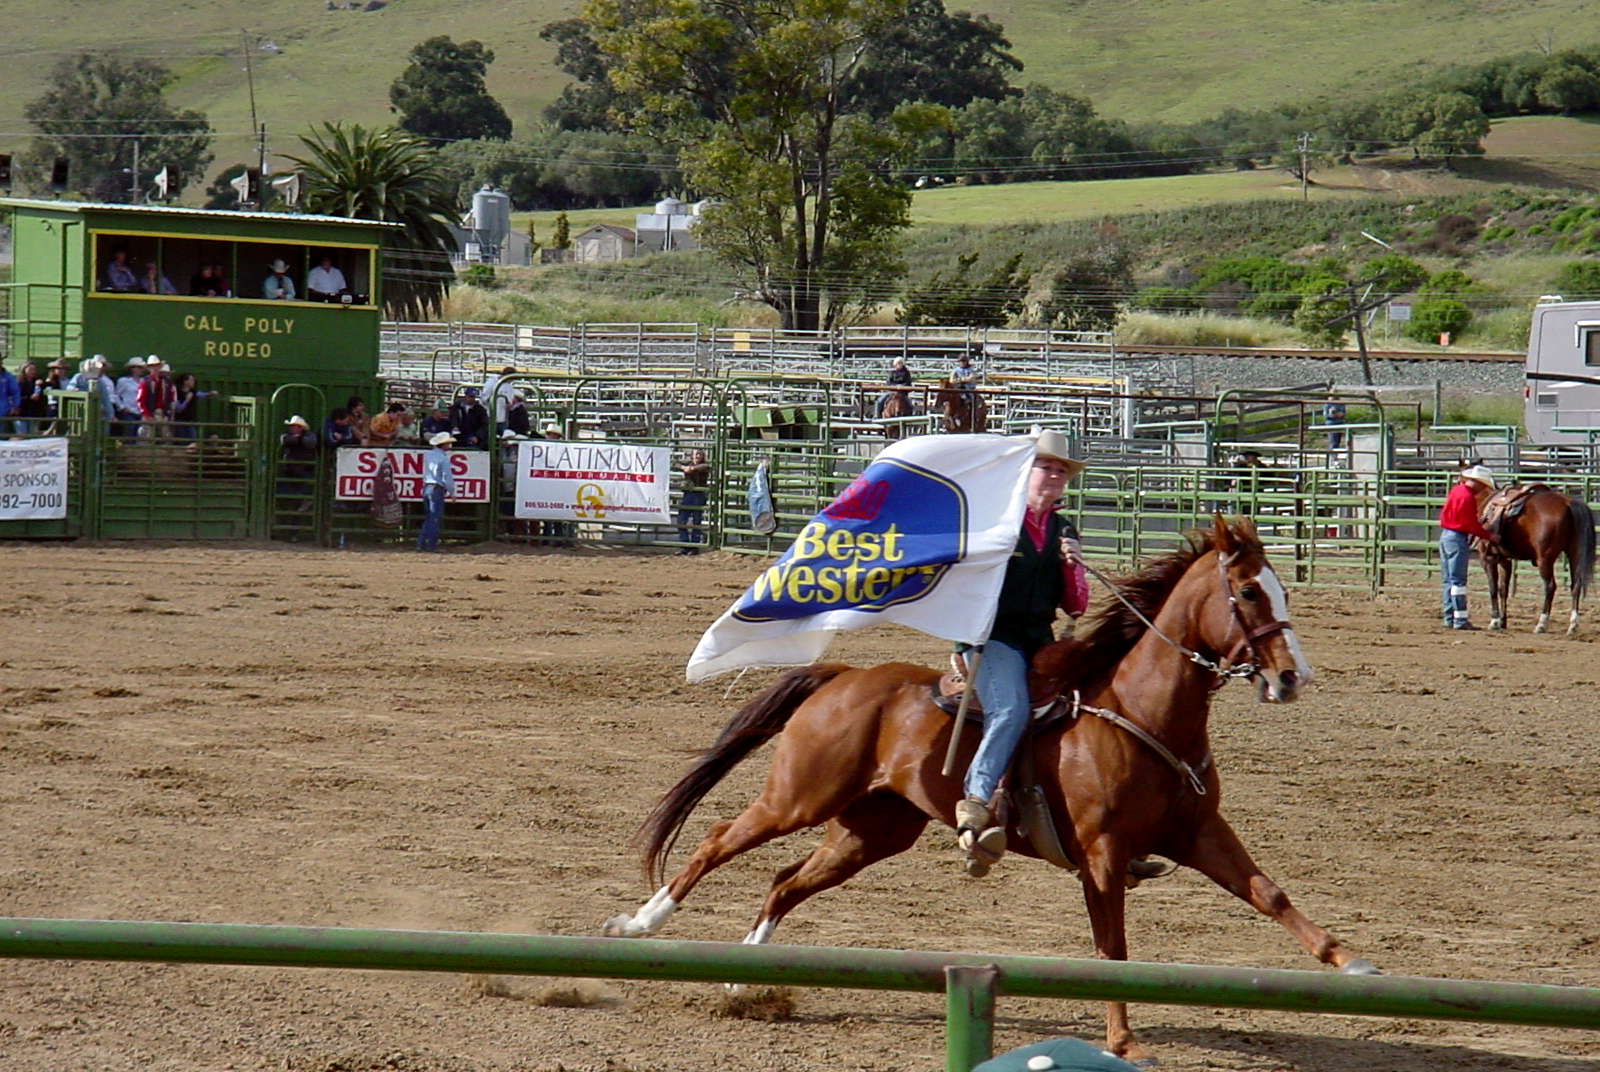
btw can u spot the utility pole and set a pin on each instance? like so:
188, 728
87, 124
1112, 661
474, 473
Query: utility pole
134, 190
1304, 148
1356, 314
256, 128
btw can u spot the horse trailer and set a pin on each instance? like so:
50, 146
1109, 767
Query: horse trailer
1561, 389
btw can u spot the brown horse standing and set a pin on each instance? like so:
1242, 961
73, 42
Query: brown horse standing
897, 405
861, 751
964, 411
1548, 526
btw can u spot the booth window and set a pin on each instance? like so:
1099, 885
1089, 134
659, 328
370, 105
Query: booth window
182, 266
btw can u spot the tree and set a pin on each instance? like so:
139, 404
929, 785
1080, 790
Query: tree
990, 302
97, 108
588, 101
396, 178
1578, 281
933, 56
805, 198
1090, 288
442, 95
1323, 316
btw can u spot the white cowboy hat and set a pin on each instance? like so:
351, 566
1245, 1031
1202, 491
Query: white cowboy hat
1052, 444
1481, 473
301, 421
134, 362
439, 439
278, 265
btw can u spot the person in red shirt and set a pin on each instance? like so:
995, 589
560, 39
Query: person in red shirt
1044, 574
1458, 524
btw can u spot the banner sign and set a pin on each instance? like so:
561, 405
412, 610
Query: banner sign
33, 479
356, 467
593, 482
922, 538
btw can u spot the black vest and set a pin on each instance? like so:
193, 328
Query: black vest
1032, 590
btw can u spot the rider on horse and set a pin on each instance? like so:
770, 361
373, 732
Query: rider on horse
964, 378
899, 377
1044, 573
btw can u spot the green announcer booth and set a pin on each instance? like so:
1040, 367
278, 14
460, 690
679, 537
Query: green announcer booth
228, 296
274, 313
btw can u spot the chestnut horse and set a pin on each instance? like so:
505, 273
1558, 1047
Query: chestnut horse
898, 404
861, 751
964, 410
1548, 525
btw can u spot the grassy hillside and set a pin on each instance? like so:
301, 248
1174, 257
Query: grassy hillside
1138, 59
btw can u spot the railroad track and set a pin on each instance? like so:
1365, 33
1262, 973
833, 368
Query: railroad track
1417, 356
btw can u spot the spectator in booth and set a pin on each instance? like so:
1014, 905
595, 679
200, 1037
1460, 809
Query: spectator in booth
158, 397
219, 275
93, 376
186, 411
325, 282
120, 277
336, 430
205, 283
298, 449
899, 376
469, 421
155, 282
10, 399
358, 417
692, 504
278, 286
383, 429
518, 420
126, 393
31, 407
437, 420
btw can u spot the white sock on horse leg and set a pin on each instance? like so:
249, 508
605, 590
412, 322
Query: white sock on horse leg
762, 934
651, 917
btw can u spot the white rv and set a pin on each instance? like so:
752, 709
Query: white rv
1561, 393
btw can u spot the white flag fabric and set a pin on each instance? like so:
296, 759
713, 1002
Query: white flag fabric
921, 538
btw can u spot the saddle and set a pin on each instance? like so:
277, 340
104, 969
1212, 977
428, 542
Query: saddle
1507, 504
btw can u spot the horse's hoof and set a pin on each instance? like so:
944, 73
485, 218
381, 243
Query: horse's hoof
617, 927
1146, 1062
1360, 966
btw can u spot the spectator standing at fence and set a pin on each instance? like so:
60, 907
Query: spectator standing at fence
31, 405
58, 373
899, 378
497, 390
469, 421
437, 484
298, 449
10, 399
186, 410
1458, 524
278, 286
437, 420
92, 377
336, 430
158, 396
692, 504
383, 429
1333, 418
358, 417
127, 397
518, 420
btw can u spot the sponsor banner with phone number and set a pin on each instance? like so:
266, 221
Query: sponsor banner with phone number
355, 467
33, 480
593, 482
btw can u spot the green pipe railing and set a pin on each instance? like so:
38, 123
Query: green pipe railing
970, 981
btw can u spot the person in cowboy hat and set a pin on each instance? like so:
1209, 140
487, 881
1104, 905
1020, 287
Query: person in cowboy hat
437, 483
278, 285
1458, 524
1044, 574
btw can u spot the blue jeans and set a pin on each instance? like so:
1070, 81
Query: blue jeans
432, 517
691, 517
1455, 549
1002, 685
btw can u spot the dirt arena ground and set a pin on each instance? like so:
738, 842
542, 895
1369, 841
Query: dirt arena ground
466, 742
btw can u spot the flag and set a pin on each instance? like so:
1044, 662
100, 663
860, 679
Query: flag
922, 538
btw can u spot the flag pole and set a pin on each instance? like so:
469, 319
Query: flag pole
961, 711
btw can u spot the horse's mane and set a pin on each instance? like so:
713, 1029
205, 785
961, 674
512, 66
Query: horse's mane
1109, 630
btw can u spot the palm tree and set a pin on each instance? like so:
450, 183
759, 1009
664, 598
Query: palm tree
391, 176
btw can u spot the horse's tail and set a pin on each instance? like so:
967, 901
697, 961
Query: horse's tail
1580, 556
752, 726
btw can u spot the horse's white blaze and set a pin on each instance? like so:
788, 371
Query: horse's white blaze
762, 934
652, 915
1278, 600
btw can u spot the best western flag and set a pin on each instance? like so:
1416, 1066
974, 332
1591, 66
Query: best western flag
922, 538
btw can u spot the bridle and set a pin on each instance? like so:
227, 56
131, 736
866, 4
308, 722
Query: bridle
1229, 666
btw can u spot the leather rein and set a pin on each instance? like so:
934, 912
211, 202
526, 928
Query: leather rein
1227, 668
